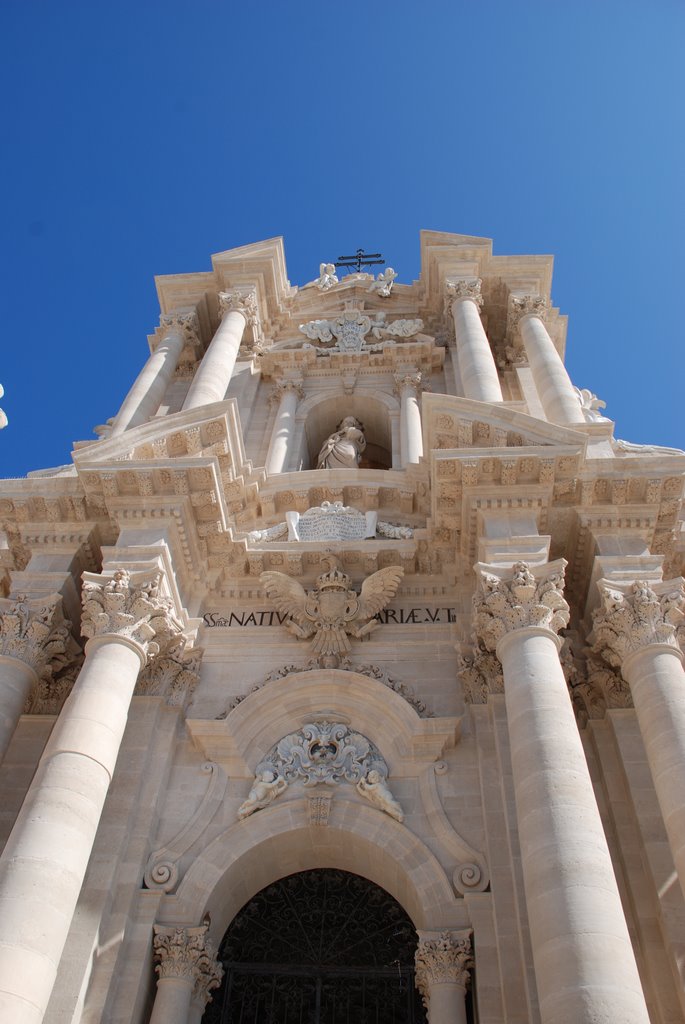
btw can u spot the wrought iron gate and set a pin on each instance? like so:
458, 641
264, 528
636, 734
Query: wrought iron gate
319, 947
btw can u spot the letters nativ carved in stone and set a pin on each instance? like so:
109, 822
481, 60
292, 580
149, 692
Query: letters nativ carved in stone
445, 959
332, 612
631, 618
502, 605
35, 631
129, 605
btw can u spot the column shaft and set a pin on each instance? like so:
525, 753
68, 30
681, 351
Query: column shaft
45, 859
16, 680
552, 381
172, 1001
584, 962
447, 1005
411, 431
144, 398
657, 683
281, 437
477, 369
216, 369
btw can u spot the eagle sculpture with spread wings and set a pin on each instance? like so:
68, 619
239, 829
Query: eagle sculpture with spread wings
332, 612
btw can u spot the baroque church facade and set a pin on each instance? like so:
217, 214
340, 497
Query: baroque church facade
341, 675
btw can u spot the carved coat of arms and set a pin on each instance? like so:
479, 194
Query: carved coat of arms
332, 612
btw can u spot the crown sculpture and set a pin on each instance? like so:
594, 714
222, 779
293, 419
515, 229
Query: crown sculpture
332, 612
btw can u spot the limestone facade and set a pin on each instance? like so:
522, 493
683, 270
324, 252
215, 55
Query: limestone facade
356, 578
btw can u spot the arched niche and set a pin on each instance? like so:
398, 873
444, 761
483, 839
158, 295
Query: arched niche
319, 417
281, 840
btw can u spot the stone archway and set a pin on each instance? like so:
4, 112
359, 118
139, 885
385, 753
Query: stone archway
318, 946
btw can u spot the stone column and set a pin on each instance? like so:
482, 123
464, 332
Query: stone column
582, 954
477, 368
408, 385
35, 640
44, 862
443, 963
287, 393
144, 398
237, 308
636, 630
553, 384
187, 970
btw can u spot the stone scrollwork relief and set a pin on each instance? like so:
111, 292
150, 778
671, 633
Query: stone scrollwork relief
502, 605
631, 618
591, 406
332, 612
471, 872
322, 753
161, 871
129, 605
444, 959
34, 630
347, 332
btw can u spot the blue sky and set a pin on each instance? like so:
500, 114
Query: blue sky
139, 138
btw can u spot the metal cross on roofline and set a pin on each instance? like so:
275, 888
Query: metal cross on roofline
361, 259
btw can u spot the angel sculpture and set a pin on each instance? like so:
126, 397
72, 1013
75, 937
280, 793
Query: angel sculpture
332, 612
383, 283
375, 789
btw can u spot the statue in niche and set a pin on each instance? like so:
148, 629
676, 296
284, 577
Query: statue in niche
265, 788
343, 449
376, 791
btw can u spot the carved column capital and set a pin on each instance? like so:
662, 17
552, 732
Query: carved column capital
525, 305
128, 605
462, 288
34, 631
186, 953
445, 959
480, 672
410, 378
240, 300
184, 320
518, 598
173, 674
282, 386
633, 616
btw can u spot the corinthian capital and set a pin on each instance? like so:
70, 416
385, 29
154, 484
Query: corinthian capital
240, 300
443, 960
282, 386
509, 599
410, 379
182, 319
635, 615
35, 631
173, 674
463, 288
129, 605
186, 953
525, 305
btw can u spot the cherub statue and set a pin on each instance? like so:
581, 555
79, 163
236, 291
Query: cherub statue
375, 789
383, 283
327, 277
265, 788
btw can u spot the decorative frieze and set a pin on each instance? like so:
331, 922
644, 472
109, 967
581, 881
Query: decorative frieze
34, 631
347, 332
446, 959
632, 618
129, 605
503, 604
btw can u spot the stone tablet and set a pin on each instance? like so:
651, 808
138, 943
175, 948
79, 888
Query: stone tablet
331, 521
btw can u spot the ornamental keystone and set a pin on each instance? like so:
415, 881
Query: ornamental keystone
444, 960
632, 616
509, 599
34, 631
130, 606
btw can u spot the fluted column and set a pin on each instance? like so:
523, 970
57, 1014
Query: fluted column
237, 308
476, 362
443, 964
44, 862
35, 640
187, 971
557, 395
408, 385
287, 393
144, 398
584, 963
636, 630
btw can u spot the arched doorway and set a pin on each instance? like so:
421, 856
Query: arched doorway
319, 947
